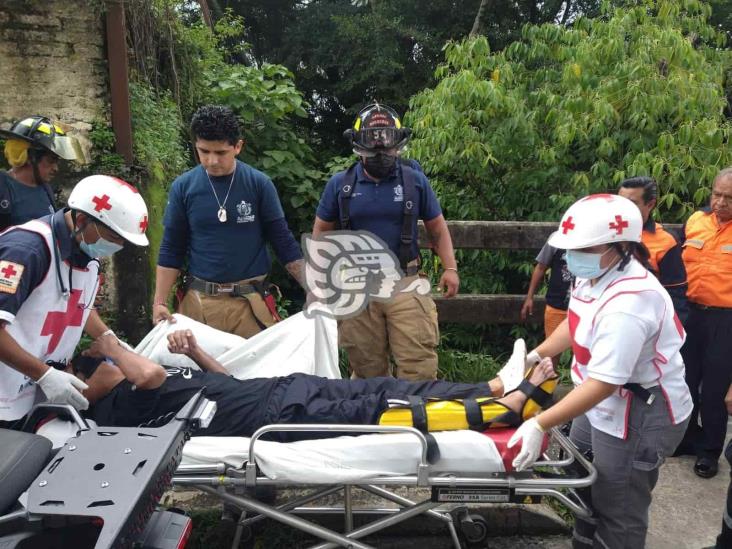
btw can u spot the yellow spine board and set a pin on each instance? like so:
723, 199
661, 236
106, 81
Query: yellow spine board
449, 415
444, 415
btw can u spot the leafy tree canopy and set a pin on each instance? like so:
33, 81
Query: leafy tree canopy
345, 54
565, 111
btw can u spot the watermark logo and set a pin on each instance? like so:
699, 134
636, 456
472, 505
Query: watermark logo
344, 270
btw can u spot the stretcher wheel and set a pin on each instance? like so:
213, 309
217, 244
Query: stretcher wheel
473, 527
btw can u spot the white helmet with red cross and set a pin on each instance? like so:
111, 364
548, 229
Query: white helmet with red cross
114, 203
598, 219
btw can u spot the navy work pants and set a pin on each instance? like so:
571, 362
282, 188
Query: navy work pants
302, 398
707, 354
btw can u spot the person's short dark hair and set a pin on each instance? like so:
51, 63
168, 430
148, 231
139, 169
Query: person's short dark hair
215, 123
87, 365
648, 184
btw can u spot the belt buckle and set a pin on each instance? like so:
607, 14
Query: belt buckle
228, 288
214, 288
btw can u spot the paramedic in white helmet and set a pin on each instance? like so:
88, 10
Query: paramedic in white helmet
48, 282
630, 405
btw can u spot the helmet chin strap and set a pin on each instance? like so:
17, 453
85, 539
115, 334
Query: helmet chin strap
34, 157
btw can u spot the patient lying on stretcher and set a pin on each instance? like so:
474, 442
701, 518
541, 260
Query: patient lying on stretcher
126, 389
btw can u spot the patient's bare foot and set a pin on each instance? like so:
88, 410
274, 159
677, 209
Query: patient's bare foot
542, 371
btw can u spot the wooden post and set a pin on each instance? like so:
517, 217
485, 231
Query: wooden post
118, 79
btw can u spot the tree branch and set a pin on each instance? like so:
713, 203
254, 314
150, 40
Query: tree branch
478, 19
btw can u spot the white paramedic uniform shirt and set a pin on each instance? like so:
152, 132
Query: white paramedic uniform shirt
624, 330
48, 325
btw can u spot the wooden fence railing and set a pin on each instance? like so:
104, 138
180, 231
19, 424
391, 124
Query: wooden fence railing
493, 235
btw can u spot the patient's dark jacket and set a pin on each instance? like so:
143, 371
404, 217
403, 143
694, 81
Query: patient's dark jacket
246, 405
239, 413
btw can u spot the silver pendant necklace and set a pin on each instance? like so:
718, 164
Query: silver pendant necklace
222, 205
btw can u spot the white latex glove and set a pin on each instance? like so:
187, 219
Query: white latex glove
63, 388
532, 359
531, 436
514, 370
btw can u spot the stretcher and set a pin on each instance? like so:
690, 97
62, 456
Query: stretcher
472, 467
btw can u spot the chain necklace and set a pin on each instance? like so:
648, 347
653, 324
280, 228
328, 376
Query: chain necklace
222, 205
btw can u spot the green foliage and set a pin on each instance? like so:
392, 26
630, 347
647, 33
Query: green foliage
173, 50
466, 367
159, 150
156, 129
383, 50
338, 164
267, 102
104, 159
567, 111
521, 133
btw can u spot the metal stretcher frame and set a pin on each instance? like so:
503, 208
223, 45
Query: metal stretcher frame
218, 479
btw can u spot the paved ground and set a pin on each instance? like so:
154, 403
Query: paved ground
687, 510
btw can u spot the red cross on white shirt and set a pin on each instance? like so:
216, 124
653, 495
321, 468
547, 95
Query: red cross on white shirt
57, 321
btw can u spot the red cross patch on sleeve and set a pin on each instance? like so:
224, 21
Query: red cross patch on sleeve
10, 274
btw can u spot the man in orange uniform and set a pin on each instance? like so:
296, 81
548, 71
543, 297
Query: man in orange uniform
707, 352
666, 262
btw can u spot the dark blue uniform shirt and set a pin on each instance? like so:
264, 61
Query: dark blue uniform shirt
378, 207
26, 202
240, 404
29, 250
230, 251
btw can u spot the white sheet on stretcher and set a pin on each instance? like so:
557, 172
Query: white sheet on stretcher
349, 459
338, 460
297, 344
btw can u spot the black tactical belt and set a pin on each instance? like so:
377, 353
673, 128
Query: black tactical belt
216, 288
641, 392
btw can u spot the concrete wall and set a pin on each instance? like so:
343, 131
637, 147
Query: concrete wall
53, 61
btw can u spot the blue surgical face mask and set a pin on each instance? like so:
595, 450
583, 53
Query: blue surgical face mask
100, 248
586, 265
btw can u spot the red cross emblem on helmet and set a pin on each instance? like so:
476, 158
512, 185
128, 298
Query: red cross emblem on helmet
567, 225
598, 219
619, 224
114, 203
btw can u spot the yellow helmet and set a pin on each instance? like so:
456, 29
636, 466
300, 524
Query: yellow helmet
43, 134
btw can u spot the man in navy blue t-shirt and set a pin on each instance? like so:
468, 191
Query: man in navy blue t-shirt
386, 197
219, 218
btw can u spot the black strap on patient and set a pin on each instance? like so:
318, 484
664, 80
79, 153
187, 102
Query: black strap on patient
473, 414
419, 420
535, 393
